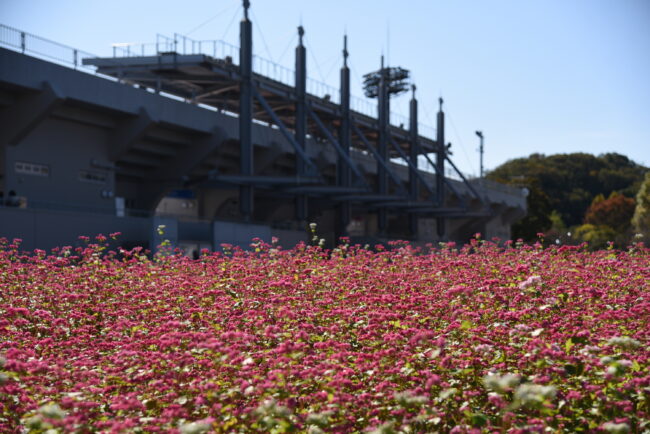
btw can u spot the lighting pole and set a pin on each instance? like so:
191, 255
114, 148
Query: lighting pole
480, 135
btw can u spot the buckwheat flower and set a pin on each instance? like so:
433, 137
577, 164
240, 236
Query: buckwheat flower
484, 348
616, 428
385, 428
408, 399
197, 427
271, 408
501, 383
573, 395
618, 367
448, 393
624, 342
533, 395
53, 411
532, 280
34, 422
319, 419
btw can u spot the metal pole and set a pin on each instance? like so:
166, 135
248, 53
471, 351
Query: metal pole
301, 120
414, 151
440, 171
382, 114
246, 113
480, 149
22, 42
345, 209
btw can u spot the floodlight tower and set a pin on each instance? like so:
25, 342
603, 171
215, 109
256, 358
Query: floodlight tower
381, 84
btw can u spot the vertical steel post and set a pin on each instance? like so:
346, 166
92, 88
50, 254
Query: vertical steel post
301, 120
382, 145
246, 113
345, 209
481, 150
440, 170
414, 151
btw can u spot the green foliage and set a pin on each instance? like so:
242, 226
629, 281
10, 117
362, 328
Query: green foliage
596, 236
567, 184
641, 218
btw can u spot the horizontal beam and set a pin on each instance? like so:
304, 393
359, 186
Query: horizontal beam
325, 189
371, 198
264, 180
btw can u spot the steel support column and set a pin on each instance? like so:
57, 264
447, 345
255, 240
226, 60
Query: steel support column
440, 170
301, 120
414, 152
246, 113
383, 110
345, 208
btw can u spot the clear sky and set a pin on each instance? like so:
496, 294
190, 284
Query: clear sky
547, 76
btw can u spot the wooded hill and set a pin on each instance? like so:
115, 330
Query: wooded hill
563, 187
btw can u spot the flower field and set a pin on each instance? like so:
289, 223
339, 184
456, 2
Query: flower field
474, 339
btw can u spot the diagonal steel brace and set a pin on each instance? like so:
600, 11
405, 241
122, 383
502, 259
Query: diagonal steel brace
380, 160
285, 132
337, 146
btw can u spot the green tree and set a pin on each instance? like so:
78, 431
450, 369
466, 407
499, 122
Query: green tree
596, 236
641, 218
616, 212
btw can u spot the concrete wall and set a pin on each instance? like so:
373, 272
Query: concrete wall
71, 177
241, 234
45, 229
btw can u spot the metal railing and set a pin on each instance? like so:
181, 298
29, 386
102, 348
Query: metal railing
28, 43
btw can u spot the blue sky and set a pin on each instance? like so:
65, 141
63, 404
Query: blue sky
549, 76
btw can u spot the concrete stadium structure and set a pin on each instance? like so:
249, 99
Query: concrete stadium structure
219, 152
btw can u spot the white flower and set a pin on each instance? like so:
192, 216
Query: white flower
53, 411
194, 427
624, 342
616, 428
532, 280
534, 395
501, 383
